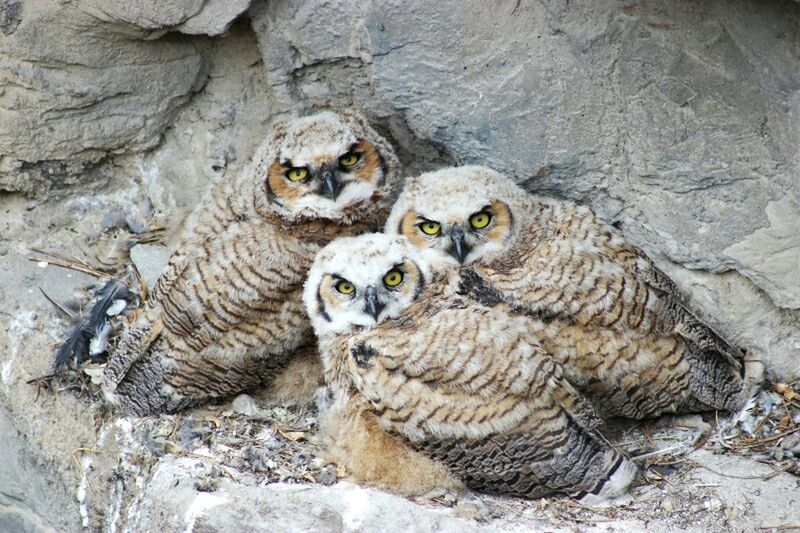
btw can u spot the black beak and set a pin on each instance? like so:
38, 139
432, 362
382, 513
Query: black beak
459, 247
329, 186
372, 305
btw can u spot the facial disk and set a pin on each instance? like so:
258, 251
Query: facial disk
456, 215
325, 163
358, 282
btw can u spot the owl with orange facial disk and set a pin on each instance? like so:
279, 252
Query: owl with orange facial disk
598, 305
436, 389
227, 314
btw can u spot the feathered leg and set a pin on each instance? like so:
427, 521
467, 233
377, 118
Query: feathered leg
133, 344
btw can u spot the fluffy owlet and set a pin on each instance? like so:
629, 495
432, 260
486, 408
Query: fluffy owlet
597, 304
227, 312
464, 385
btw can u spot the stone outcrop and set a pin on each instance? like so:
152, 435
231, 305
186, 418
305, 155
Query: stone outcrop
84, 81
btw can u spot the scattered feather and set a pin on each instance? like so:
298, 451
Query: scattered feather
117, 307
98, 345
71, 350
65, 312
88, 338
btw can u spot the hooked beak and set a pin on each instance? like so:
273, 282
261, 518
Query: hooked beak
371, 303
459, 247
330, 186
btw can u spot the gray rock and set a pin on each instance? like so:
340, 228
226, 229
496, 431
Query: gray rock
31, 499
145, 14
195, 17
244, 404
9, 11
770, 503
215, 135
75, 89
150, 261
770, 256
172, 503
214, 18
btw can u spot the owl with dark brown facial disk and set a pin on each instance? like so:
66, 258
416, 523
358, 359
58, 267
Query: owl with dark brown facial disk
597, 304
227, 315
433, 387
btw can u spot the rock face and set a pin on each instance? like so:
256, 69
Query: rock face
173, 504
84, 81
679, 122
27, 499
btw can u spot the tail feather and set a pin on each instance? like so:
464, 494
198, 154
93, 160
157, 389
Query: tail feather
522, 463
613, 484
685, 322
712, 380
591, 470
702, 335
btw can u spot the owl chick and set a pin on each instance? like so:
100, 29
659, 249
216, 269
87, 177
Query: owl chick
597, 304
227, 312
464, 385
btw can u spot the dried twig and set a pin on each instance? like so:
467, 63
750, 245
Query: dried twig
41, 379
662, 451
63, 261
770, 439
768, 475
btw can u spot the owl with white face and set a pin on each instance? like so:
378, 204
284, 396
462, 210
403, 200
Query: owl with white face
596, 303
437, 383
227, 313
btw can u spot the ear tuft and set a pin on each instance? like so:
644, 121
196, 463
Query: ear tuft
279, 130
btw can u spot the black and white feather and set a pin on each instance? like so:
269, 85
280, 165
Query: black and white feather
89, 335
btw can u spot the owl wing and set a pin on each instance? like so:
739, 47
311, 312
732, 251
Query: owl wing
238, 296
673, 315
463, 349
468, 386
206, 222
583, 270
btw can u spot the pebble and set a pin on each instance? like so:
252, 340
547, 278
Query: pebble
732, 513
713, 504
471, 510
244, 404
327, 476
150, 260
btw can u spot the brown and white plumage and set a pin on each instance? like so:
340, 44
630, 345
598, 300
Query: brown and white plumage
464, 384
596, 303
227, 312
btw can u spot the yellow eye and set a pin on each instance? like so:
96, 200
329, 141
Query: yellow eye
480, 220
297, 174
348, 160
430, 227
393, 278
345, 287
